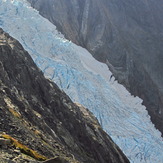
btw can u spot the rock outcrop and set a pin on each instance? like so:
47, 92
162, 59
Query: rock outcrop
39, 122
126, 35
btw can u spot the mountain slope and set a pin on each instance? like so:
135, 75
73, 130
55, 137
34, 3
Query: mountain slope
126, 35
85, 80
37, 113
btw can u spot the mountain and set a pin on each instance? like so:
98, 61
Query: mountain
127, 35
85, 80
36, 112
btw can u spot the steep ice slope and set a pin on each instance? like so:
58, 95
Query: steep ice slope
127, 35
85, 80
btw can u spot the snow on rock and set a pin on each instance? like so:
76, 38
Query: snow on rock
85, 80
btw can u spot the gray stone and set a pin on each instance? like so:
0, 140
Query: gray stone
4, 142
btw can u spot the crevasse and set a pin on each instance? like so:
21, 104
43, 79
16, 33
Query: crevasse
85, 80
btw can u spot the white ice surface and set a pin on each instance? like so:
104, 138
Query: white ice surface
85, 80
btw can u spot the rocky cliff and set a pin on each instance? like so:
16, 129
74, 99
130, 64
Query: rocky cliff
126, 35
38, 121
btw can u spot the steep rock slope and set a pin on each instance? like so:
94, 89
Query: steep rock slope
37, 113
85, 80
125, 34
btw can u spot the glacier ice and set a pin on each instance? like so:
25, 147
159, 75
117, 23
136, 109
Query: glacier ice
85, 80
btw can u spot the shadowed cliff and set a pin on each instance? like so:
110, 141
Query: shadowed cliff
38, 121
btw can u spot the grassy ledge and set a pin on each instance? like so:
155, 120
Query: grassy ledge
24, 149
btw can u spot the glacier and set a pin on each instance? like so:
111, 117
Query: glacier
85, 80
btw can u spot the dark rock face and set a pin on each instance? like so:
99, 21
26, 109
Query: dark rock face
35, 112
125, 34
